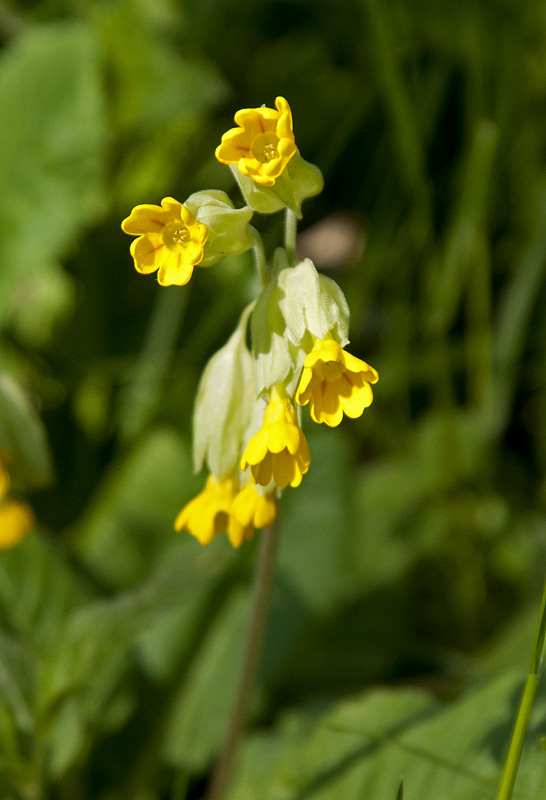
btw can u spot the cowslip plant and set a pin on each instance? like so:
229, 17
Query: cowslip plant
247, 415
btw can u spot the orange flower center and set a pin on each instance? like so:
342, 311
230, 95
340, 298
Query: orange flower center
176, 236
264, 147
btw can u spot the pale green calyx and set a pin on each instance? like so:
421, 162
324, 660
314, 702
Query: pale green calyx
295, 308
229, 232
224, 403
299, 180
312, 303
272, 357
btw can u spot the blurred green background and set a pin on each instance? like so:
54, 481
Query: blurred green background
412, 556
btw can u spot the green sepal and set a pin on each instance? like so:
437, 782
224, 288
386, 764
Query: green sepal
299, 180
224, 404
312, 303
272, 359
229, 232
297, 306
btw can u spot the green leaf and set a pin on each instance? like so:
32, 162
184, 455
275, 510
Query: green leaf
52, 159
132, 515
23, 439
202, 709
361, 747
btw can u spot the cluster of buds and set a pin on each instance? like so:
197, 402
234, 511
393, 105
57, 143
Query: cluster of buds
248, 407
16, 519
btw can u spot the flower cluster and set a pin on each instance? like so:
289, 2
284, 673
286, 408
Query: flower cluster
16, 519
248, 407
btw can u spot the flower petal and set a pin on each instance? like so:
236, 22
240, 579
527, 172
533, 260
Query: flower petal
148, 252
146, 219
175, 269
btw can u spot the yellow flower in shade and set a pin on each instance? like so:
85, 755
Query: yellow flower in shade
209, 513
253, 509
16, 520
334, 382
262, 145
222, 507
279, 451
169, 240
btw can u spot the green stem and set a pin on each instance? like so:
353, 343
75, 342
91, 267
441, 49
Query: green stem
290, 232
259, 256
263, 584
525, 707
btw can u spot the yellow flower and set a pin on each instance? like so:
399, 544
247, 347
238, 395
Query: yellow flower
262, 145
253, 509
279, 450
209, 513
169, 240
334, 382
16, 520
221, 506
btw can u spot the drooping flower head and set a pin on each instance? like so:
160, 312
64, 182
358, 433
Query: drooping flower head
221, 506
262, 145
169, 239
334, 382
279, 451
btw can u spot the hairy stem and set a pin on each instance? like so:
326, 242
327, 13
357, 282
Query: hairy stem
259, 256
290, 233
263, 584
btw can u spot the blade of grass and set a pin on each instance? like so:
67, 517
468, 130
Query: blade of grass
521, 724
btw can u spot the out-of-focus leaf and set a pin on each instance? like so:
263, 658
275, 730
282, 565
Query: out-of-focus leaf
37, 591
17, 682
315, 554
52, 158
201, 711
23, 440
134, 510
162, 95
361, 748
83, 683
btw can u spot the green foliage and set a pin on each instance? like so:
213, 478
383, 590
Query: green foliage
362, 746
412, 555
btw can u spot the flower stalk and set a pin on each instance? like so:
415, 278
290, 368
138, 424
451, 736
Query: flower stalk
290, 233
263, 584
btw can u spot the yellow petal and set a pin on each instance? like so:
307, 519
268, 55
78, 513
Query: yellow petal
283, 435
236, 532
304, 455
256, 449
360, 399
354, 364
16, 521
146, 219
148, 252
266, 511
285, 469
262, 472
175, 270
